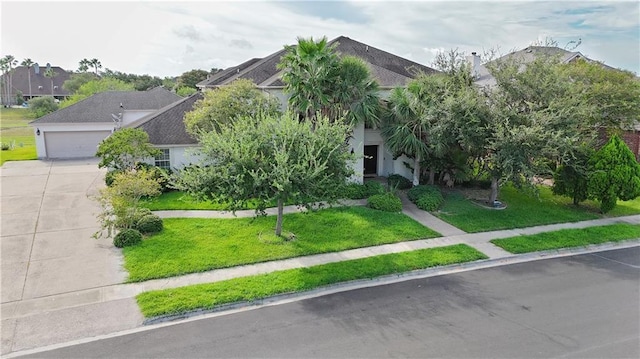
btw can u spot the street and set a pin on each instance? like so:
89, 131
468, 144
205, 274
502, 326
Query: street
577, 307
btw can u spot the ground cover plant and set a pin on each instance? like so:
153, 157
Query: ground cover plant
207, 296
188, 245
523, 210
567, 238
17, 135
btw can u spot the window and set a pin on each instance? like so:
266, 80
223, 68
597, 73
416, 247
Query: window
163, 160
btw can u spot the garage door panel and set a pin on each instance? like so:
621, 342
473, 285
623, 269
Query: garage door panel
73, 144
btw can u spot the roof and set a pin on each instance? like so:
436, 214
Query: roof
40, 84
99, 107
389, 70
166, 127
226, 73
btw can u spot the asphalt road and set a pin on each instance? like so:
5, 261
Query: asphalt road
579, 307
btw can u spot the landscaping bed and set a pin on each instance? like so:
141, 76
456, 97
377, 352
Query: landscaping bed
188, 245
567, 238
210, 295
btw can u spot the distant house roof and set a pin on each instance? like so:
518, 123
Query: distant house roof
166, 127
40, 84
527, 55
99, 107
390, 70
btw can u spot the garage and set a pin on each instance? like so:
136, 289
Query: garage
73, 144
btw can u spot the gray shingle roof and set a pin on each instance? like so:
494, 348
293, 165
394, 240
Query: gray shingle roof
390, 70
20, 81
166, 127
226, 73
99, 107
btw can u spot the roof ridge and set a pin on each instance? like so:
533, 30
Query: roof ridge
141, 121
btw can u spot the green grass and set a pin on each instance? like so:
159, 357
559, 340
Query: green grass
15, 129
188, 245
14, 117
210, 295
567, 238
177, 200
522, 210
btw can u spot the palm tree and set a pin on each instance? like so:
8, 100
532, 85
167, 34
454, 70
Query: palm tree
10, 61
310, 67
355, 93
28, 64
95, 63
406, 128
83, 65
50, 74
4, 67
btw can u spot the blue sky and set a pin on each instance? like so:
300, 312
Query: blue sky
167, 38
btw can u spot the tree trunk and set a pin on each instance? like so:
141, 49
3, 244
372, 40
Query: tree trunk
432, 176
416, 170
494, 191
279, 220
29, 75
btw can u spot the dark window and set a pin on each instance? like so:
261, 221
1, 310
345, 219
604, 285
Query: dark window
163, 160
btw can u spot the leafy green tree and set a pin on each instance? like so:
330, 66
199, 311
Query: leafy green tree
318, 81
120, 202
615, 174
28, 63
123, 149
139, 82
41, 106
185, 91
76, 80
220, 106
571, 177
95, 86
271, 158
191, 78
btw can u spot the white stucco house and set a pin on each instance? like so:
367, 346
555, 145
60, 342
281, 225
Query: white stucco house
76, 131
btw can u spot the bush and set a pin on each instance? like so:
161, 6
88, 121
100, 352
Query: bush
372, 188
150, 223
132, 218
6, 146
427, 198
160, 174
110, 177
127, 237
398, 182
387, 202
360, 191
43, 105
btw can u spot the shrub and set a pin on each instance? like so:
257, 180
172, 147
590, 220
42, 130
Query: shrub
372, 188
42, 105
110, 177
427, 198
398, 182
133, 217
150, 223
127, 237
160, 174
387, 202
6, 146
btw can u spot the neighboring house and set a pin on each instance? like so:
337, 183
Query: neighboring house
40, 84
484, 78
167, 132
76, 131
388, 69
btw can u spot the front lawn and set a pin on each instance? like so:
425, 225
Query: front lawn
210, 295
15, 131
567, 238
522, 210
188, 245
178, 200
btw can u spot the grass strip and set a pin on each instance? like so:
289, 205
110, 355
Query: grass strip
210, 295
566, 238
188, 245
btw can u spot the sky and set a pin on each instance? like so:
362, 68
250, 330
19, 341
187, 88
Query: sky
164, 38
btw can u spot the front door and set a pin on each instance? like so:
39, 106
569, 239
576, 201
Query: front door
370, 160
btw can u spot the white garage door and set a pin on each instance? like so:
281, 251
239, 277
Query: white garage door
73, 144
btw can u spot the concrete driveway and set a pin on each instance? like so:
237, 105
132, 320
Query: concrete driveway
48, 218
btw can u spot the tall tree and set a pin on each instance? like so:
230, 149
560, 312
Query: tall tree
50, 74
83, 65
28, 63
4, 67
96, 64
123, 149
191, 78
271, 158
76, 80
9, 61
220, 106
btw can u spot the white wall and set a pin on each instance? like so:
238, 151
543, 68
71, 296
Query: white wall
356, 142
57, 127
181, 156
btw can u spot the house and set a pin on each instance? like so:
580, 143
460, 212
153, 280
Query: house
76, 131
40, 84
388, 69
484, 78
167, 132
